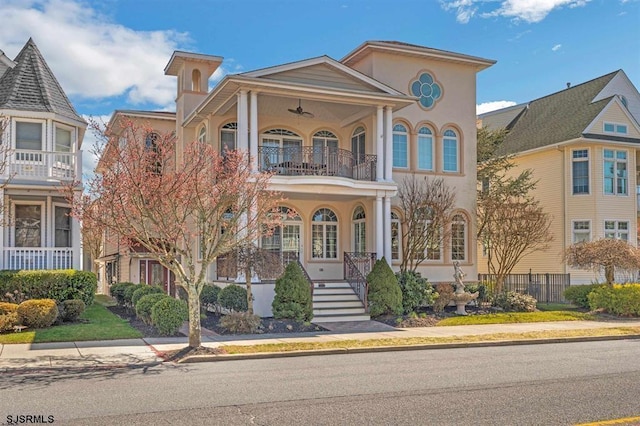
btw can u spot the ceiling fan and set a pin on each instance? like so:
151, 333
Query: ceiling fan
300, 111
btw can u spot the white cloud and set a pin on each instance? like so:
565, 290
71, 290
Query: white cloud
520, 10
492, 106
92, 56
556, 47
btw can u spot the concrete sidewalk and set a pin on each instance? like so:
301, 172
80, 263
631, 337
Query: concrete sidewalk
148, 351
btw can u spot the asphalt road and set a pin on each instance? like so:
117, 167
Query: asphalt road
553, 384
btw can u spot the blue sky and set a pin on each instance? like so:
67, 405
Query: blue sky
110, 54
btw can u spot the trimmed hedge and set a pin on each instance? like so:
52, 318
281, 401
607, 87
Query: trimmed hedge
168, 314
579, 294
143, 291
145, 304
37, 313
385, 296
117, 291
8, 321
59, 285
128, 293
234, 298
8, 308
619, 299
293, 295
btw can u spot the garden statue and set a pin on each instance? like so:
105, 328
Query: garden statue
460, 297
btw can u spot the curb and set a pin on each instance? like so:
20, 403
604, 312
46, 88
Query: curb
375, 349
41, 369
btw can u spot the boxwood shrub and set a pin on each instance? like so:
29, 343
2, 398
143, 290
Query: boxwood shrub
168, 314
385, 295
117, 291
59, 285
72, 309
8, 308
8, 321
144, 305
293, 295
143, 291
234, 298
619, 299
579, 294
37, 313
128, 294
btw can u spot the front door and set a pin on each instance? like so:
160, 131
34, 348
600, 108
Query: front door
153, 273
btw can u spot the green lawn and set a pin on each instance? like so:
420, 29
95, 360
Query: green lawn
513, 317
101, 325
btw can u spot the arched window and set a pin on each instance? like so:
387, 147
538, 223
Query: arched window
324, 235
286, 238
400, 138
395, 236
425, 149
357, 144
325, 148
151, 141
196, 80
280, 146
228, 137
202, 134
359, 231
458, 238
151, 145
450, 151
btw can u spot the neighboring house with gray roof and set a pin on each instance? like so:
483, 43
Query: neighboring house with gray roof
583, 145
41, 138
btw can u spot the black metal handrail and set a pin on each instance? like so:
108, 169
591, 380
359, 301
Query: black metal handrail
356, 267
306, 275
318, 161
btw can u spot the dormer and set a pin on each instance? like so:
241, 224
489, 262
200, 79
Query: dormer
193, 71
5, 63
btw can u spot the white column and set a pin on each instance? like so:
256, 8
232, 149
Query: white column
76, 237
379, 229
386, 218
388, 143
243, 122
253, 131
379, 143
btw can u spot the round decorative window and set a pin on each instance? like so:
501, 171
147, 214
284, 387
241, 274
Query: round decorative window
426, 89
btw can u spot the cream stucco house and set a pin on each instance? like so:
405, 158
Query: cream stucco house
583, 145
339, 135
40, 151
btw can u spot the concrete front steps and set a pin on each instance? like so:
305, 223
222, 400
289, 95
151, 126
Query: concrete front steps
335, 301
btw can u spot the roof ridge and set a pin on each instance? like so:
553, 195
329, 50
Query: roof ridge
579, 85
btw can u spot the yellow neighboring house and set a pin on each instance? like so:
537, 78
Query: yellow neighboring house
339, 135
583, 145
39, 152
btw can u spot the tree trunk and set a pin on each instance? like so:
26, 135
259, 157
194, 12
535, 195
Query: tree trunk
247, 279
195, 335
608, 274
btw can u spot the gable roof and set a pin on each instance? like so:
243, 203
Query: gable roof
31, 86
554, 118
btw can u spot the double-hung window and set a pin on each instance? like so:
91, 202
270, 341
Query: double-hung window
615, 172
616, 229
581, 231
28, 138
580, 171
63, 226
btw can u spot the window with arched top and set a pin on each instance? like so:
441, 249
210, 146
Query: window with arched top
280, 146
395, 236
285, 239
196, 80
357, 144
202, 134
425, 148
325, 147
324, 234
400, 142
450, 151
151, 146
228, 137
458, 238
359, 230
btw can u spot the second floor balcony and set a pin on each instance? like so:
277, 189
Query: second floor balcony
317, 161
43, 165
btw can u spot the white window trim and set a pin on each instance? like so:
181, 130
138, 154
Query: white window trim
14, 137
615, 160
615, 128
399, 222
199, 133
573, 221
43, 224
407, 134
324, 235
432, 136
588, 161
353, 228
71, 129
616, 230
457, 139
465, 225
53, 224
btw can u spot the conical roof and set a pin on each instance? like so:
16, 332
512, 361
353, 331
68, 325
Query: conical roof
31, 86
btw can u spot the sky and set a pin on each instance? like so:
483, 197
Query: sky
111, 54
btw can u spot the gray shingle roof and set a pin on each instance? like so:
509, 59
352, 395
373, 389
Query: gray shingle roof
555, 118
31, 86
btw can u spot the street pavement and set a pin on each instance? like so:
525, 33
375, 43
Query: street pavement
149, 351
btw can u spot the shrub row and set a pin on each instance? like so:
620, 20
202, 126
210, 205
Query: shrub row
59, 285
620, 299
579, 294
39, 313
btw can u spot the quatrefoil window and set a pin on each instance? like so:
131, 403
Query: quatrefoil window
426, 89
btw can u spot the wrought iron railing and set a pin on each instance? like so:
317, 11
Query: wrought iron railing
544, 287
318, 161
356, 268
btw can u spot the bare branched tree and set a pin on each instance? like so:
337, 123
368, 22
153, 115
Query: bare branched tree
427, 206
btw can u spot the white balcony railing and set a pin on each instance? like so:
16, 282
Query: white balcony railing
43, 165
37, 258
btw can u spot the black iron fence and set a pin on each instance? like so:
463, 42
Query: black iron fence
544, 287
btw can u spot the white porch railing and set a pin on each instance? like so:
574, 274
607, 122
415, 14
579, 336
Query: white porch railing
37, 258
43, 165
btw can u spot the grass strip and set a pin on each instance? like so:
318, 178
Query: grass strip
101, 325
413, 341
516, 317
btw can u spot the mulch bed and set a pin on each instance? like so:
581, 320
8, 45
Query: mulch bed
426, 317
128, 314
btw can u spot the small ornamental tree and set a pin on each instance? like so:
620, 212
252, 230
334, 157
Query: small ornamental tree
607, 253
293, 295
182, 202
384, 293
